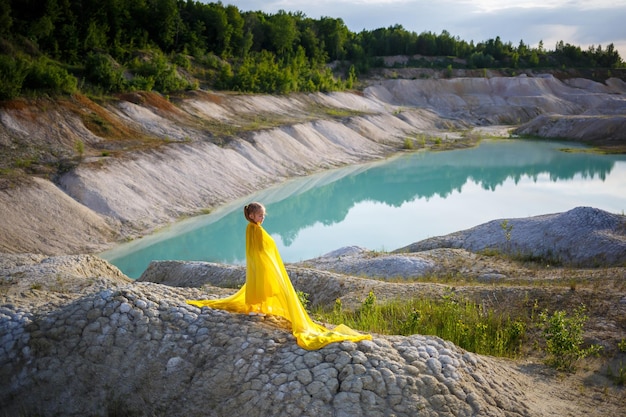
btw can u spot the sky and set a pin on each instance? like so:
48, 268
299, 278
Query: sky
580, 23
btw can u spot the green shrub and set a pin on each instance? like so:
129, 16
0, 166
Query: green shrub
506, 229
618, 375
182, 61
79, 146
304, 298
100, 70
564, 338
46, 75
13, 71
369, 304
165, 78
141, 83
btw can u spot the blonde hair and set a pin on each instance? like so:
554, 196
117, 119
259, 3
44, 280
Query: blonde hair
252, 208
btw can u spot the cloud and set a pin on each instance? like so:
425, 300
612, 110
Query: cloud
575, 26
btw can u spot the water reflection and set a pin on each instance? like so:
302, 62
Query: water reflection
432, 174
395, 202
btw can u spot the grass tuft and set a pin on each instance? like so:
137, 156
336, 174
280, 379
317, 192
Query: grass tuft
460, 321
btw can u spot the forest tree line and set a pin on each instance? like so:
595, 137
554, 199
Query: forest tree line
109, 46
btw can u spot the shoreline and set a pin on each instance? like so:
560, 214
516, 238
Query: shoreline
125, 193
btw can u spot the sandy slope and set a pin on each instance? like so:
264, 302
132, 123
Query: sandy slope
214, 148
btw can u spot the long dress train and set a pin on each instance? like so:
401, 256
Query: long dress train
269, 290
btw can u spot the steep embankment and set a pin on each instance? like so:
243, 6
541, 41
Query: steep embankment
186, 169
576, 109
146, 161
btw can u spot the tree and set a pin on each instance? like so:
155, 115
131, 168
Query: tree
6, 21
495, 48
282, 32
334, 34
610, 58
310, 41
515, 60
427, 44
96, 37
250, 51
255, 23
240, 41
218, 31
351, 77
446, 44
480, 60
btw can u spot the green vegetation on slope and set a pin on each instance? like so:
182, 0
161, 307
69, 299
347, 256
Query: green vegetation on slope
110, 46
473, 326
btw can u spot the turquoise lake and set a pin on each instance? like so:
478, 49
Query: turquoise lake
389, 204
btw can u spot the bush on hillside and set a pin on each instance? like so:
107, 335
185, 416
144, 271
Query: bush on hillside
45, 74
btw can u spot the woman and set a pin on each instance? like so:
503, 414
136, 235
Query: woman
268, 289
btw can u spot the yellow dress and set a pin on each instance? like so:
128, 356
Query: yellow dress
268, 290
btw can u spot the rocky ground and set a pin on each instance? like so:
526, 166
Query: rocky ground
79, 338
